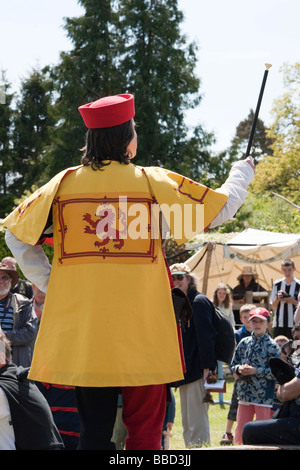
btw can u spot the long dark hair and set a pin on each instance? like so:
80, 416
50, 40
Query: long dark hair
227, 298
107, 144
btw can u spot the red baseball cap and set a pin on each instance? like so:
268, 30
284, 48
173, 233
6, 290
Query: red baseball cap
259, 312
108, 112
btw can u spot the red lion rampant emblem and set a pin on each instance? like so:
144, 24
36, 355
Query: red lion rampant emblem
105, 226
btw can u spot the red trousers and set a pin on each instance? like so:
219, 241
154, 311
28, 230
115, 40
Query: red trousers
144, 410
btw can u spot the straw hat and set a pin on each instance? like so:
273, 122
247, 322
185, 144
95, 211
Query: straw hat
247, 271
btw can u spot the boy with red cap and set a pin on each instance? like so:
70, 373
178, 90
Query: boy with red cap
108, 313
256, 384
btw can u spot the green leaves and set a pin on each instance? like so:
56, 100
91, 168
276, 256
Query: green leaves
280, 172
130, 46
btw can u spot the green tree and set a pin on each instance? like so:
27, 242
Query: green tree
32, 124
261, 144
86, 73
130, 46
159, 65
218, 165
6, 152
265, 213
280, 172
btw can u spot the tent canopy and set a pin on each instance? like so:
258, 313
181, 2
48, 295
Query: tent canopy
222, 262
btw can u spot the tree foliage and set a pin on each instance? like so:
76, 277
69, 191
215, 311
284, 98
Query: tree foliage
118, 46
132, 46
6, 152
87, 72
261, 145
219, 165
264, 213
31, 136
280, 172
159, 66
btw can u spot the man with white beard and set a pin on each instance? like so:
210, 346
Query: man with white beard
17, 318
23, 286
4, 281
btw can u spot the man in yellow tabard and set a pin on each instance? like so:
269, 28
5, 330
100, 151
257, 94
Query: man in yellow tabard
108, 320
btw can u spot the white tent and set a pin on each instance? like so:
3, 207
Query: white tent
222, 262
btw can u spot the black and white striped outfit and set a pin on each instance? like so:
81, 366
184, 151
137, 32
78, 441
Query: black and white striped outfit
284, 314
6, 314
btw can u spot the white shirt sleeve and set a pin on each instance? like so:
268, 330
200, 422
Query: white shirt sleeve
7, 435
31, 259
240, 176
273, 294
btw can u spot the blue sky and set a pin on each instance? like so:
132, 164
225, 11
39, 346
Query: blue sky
235, 39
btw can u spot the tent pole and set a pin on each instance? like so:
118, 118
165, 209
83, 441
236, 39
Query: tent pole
207, 267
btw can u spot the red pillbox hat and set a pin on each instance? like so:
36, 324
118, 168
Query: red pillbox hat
108, 112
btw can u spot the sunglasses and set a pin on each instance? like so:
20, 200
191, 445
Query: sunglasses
177, 277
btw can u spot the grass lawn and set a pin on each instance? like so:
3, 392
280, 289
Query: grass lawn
217, 419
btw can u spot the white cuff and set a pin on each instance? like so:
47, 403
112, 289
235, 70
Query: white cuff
240, 176
31, 259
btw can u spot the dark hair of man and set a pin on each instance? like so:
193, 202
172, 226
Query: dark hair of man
288, 262
5, 345
104, 145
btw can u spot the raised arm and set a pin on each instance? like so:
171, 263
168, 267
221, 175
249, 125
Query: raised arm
240, 176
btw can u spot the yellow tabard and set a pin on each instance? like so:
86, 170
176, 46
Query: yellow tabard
108, 318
